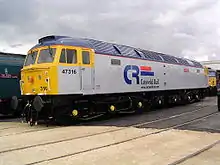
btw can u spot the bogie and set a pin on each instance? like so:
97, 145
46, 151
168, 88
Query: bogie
85, 108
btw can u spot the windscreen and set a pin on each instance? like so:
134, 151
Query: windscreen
46, 55
30, 59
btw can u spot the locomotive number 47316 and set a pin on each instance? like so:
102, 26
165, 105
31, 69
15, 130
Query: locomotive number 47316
69, 71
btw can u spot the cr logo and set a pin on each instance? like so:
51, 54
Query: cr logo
134, 74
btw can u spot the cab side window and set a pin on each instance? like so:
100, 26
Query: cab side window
86, 57
63, 56
71, 56
68, 56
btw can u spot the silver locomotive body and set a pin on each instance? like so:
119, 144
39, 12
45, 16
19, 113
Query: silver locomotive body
120, 79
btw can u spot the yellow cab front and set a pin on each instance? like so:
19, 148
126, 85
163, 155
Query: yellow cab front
38, 75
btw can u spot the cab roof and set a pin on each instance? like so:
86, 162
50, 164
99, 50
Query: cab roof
102, 47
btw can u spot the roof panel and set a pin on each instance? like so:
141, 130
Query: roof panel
103, 47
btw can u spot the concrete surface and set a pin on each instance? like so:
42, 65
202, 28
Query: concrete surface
209, 157
159, 149
107, 142
48, 136
39, 153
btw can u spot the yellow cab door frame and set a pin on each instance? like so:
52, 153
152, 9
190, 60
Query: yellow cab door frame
68, 84
87, 61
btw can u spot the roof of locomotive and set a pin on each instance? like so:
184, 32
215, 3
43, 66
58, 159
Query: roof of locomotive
103, 47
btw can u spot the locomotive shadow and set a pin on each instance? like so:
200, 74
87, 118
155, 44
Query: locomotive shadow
125, 120
7, 118
209, 125
167, 117
204, 120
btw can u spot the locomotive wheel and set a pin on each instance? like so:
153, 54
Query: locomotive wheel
31, 122
197, 97
33, 117
139, 107
63, 115
187, 99
27, 113
160, 102
157, 103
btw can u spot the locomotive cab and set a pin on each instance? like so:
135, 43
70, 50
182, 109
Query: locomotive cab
57, 69
37, 71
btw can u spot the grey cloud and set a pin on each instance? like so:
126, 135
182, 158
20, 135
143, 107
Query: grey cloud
173, 27
13, 12
201, 5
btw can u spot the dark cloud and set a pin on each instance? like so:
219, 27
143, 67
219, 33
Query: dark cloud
182, 28
17, 12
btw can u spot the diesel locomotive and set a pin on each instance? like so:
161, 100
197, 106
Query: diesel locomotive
212, 79
10, 95
81, 78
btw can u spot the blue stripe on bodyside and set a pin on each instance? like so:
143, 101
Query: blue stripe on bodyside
144, 73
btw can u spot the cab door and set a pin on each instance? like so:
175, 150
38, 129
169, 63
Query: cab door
87, 71
69, 71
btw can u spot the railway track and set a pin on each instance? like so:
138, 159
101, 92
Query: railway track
102, 132
156, 114
175, 126
145, 116
193, 154
19, 128
143, 124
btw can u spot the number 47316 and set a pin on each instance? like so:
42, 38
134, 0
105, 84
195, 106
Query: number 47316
69, 71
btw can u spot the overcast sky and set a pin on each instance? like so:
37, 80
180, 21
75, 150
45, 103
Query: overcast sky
185, 28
